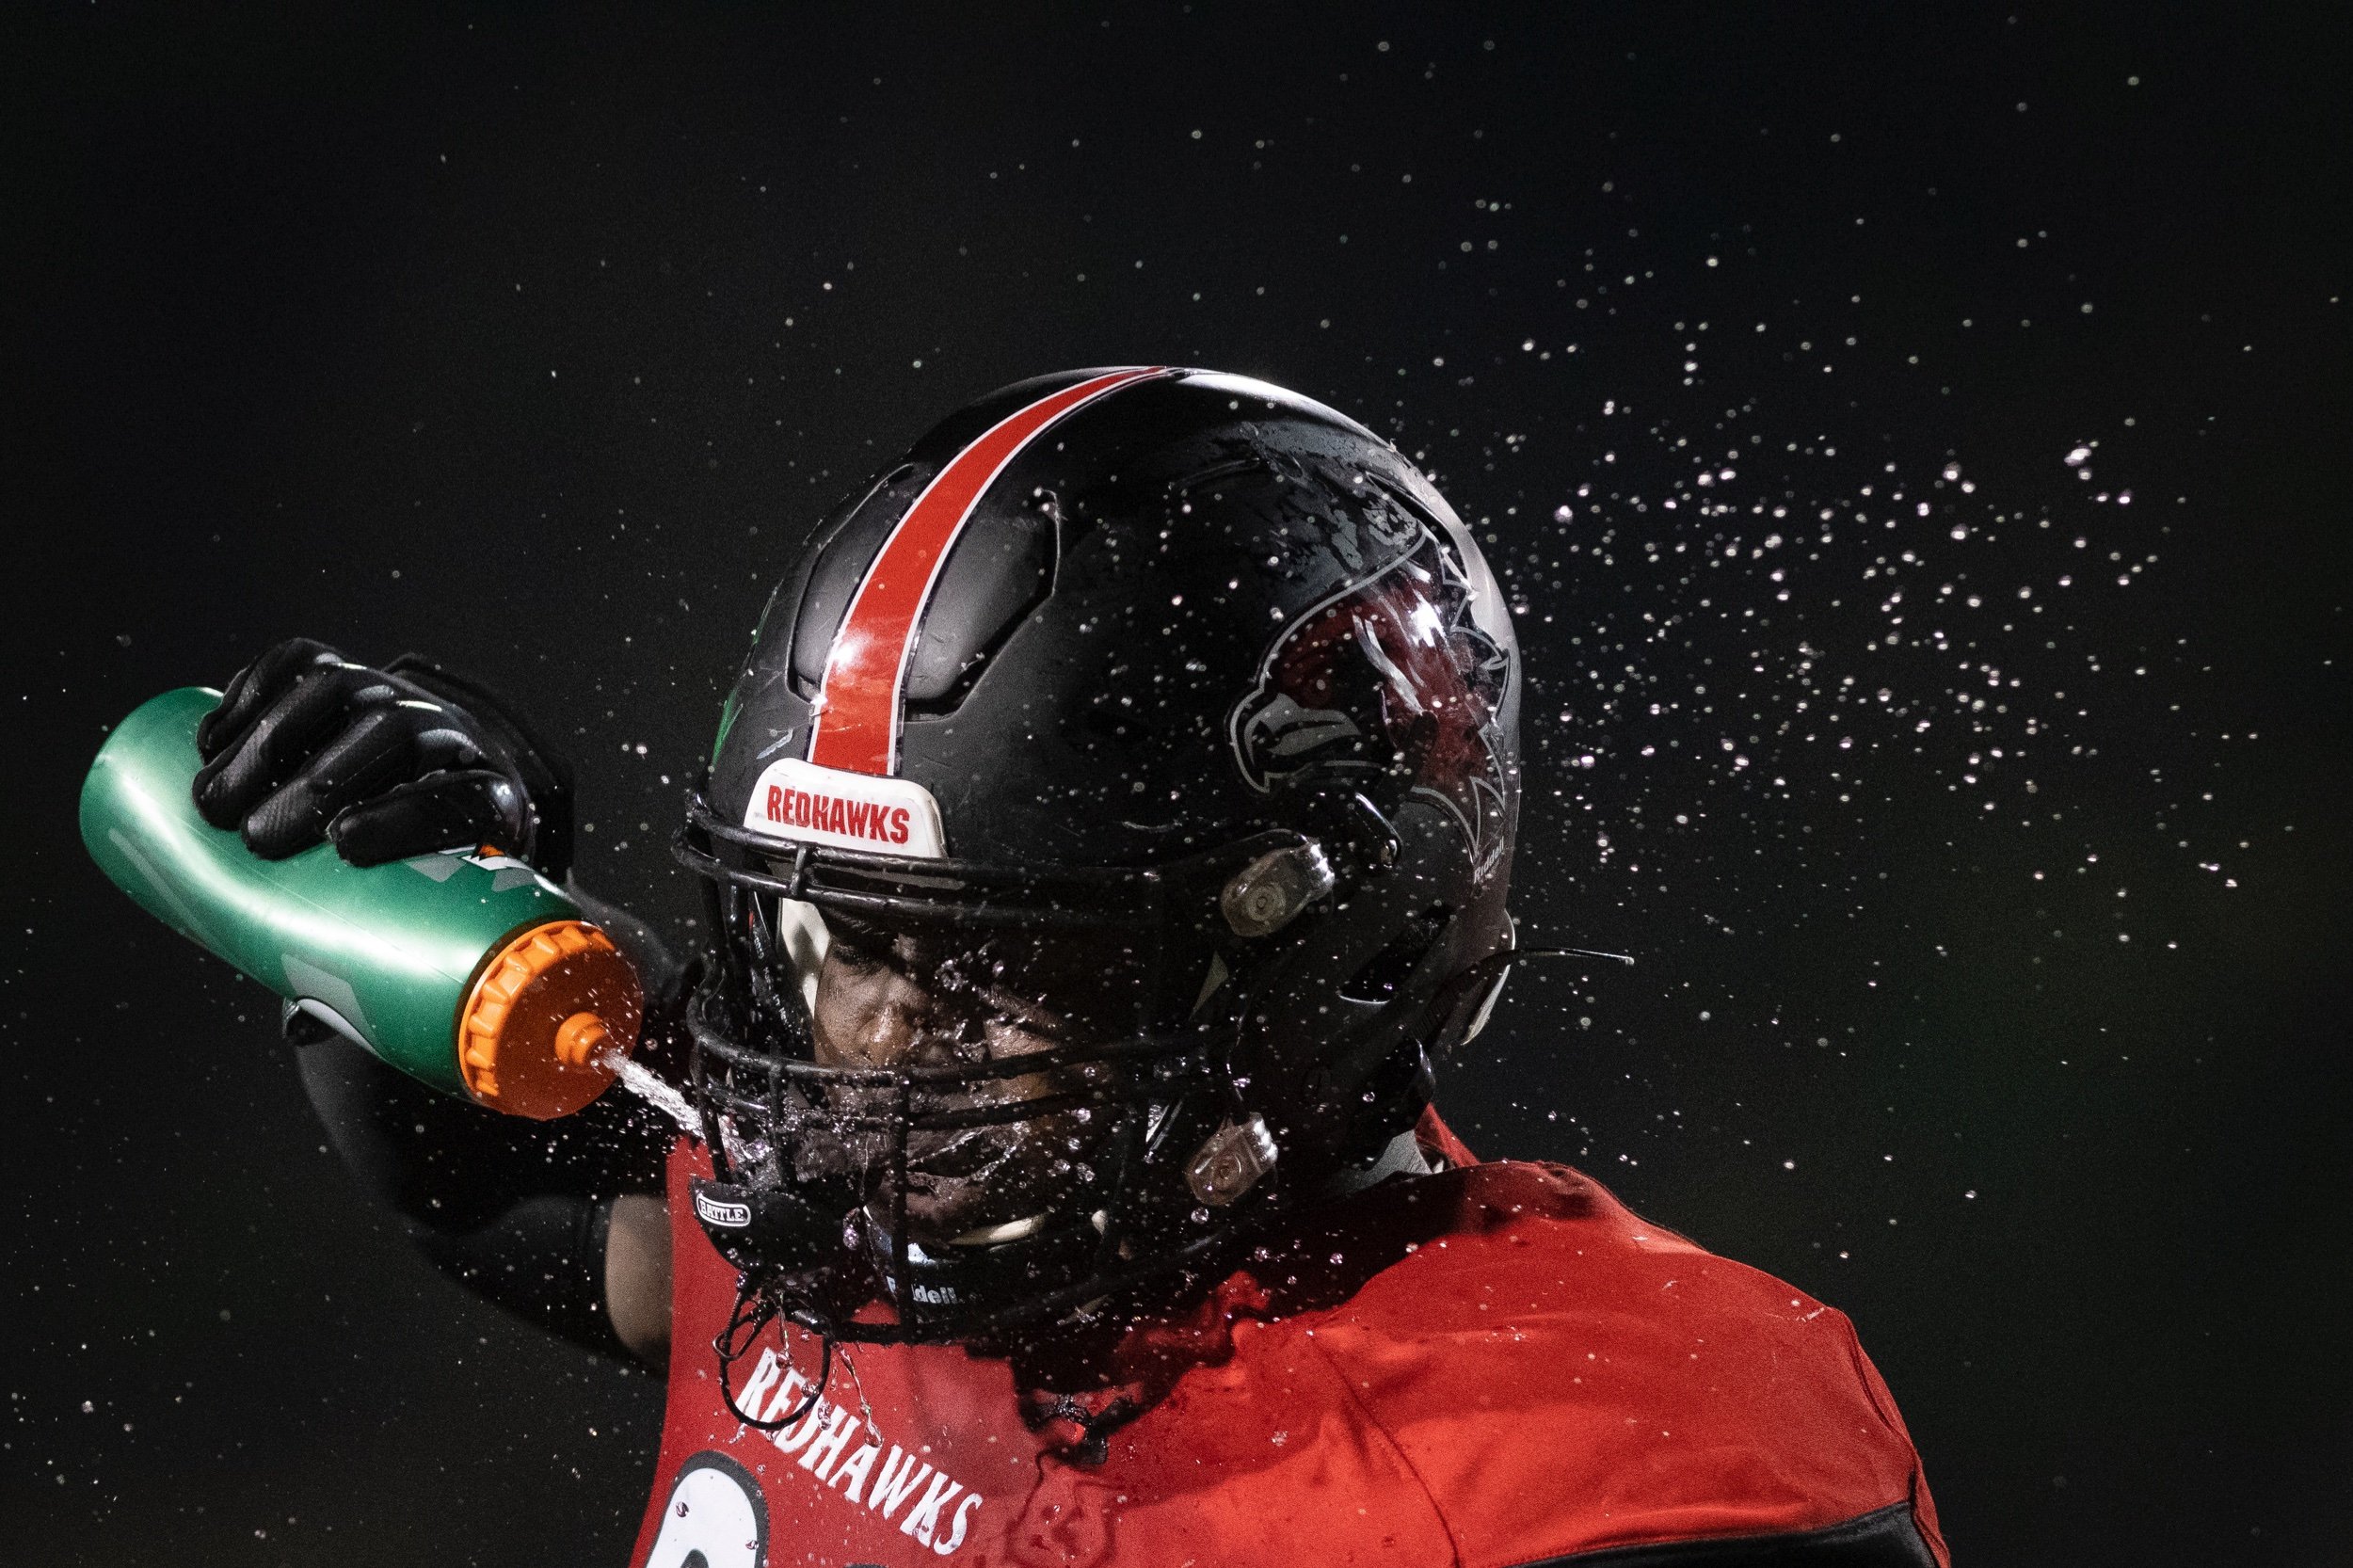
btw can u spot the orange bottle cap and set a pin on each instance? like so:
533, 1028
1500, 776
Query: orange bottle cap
545, 1006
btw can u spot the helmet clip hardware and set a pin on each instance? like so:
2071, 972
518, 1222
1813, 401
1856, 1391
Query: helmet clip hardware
1268, 894
1230, 1162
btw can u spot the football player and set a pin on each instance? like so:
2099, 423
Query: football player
1106, 837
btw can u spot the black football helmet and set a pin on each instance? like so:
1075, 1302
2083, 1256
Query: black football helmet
1170, 705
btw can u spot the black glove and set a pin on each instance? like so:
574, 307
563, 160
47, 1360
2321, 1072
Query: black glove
383, 764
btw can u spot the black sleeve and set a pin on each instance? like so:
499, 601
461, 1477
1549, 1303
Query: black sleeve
1884, 1538
515, 1210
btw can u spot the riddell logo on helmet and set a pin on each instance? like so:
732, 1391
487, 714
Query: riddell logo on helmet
801, 802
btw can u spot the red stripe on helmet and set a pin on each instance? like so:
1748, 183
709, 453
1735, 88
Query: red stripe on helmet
856, 726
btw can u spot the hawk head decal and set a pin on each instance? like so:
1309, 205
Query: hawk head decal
1392, 674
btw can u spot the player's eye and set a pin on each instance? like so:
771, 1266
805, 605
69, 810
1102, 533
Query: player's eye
857, 945
849, 955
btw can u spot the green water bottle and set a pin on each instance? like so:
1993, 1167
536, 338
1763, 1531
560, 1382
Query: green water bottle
466, 969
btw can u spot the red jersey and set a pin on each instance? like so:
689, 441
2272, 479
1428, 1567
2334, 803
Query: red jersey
1492, 1366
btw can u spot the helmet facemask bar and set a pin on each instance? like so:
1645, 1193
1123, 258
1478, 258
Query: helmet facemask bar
878, 1256
844, 1149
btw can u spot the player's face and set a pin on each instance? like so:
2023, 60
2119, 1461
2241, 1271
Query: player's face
895, 999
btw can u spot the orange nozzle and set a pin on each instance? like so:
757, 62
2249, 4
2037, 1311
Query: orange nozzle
545, 1006
578, 1042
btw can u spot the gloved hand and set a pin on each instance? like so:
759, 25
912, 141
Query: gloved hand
384, 764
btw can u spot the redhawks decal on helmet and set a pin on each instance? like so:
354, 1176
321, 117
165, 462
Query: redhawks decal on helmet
803, 804
1391, 671
856, 719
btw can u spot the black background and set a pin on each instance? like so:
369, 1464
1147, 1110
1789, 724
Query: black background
537, 340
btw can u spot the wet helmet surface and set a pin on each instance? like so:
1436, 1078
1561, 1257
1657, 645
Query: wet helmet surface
1156, 731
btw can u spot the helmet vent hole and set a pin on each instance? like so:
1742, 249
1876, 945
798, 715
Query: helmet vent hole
1000, 570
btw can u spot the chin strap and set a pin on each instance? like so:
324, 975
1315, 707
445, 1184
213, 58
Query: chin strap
750, 1314
1095, 1426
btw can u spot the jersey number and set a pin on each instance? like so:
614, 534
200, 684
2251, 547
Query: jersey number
713, 1518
